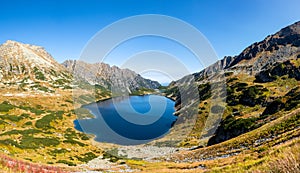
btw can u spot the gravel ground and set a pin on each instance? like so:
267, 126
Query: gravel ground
147, 153
103, 165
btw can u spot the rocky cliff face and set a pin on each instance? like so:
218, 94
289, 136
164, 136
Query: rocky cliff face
109, 76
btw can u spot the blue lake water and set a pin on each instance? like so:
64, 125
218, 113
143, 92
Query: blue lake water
129, 120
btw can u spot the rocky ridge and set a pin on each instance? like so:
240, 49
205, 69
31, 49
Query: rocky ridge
275, 48
110, 77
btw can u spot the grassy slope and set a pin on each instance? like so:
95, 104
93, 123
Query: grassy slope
38, 127
262, 147
238, 88
48, 118
267, 148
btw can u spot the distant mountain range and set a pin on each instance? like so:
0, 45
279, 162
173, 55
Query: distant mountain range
107, 76
24, 64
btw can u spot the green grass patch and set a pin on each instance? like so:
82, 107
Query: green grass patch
38, 74
74, 142
36, 111
86, 157
44, 123
70, 134
6, 106
69, 163
55, 152
22, 132
12, 118
30, 142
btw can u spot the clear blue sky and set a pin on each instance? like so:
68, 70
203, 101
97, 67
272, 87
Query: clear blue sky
64, 27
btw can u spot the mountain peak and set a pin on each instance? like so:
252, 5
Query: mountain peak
11, 42
280, 46
19, 60
11, 51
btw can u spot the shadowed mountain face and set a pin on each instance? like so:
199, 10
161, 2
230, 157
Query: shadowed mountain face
278, 47
109, 76
257, 85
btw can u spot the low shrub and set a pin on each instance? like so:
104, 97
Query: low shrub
6, 106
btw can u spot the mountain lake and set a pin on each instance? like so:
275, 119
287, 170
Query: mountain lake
129, 120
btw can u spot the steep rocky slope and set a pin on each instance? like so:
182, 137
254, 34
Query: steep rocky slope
19, 60
258, 86
109, 77
275, 48
28, 67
